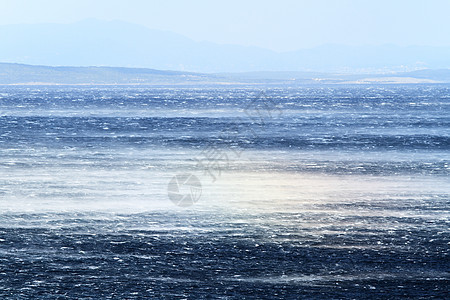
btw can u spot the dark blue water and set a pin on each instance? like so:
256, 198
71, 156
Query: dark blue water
314, 192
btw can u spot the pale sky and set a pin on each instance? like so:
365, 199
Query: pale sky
280, 25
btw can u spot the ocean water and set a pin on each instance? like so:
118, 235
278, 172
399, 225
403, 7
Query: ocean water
339, 192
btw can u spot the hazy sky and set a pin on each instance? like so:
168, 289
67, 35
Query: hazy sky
280, 25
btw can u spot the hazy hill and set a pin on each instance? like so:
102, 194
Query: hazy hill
102, 43
20, 73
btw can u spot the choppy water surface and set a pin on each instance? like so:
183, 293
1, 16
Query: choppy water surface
321, 192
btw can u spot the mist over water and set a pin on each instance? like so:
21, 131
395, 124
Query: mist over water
329, 191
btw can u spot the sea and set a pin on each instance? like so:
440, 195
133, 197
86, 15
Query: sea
225, 192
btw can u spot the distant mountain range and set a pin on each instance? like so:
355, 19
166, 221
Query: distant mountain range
13, 74
115, 43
